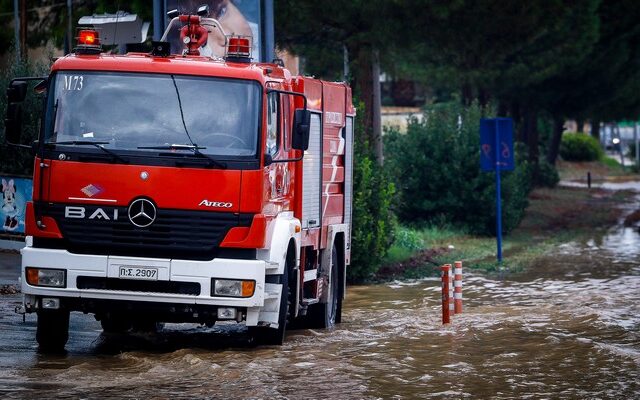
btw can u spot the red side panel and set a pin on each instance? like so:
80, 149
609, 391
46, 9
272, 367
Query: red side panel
333, 149
332, 100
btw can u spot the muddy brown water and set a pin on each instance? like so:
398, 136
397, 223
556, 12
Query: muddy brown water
568, 328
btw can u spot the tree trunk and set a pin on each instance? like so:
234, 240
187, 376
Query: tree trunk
367, 84
516, 113
503, 109
467, 94
595, 128
554, 147
579, 125
531, 123
363, 86
483, 97
23, 29
376, 112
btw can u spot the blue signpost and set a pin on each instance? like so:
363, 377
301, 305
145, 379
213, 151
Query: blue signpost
496, 154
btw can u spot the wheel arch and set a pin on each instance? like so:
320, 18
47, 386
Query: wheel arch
285, 239
336, 235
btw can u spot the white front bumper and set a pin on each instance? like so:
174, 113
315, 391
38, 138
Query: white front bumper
172, 270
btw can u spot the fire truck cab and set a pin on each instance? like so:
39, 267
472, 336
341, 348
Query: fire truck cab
185, 188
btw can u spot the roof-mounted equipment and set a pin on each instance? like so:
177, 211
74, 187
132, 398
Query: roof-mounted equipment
238, 49
88, 41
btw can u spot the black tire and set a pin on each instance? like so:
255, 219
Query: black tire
275, 337
325, 315
52, 331
340, 299
115, 324
147, 326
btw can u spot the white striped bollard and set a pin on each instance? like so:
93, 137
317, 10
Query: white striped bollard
451, 306
457, 295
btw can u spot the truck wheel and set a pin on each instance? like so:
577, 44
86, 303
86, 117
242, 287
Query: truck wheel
115, 324
52, 331
324, 315
147, 326
340, 291
270, 336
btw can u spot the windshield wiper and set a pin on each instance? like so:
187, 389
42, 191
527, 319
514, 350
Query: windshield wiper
194, 148
96, 144
172, 147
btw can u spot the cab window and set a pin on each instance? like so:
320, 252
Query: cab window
272, 124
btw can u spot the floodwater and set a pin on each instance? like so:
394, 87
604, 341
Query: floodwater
569, 328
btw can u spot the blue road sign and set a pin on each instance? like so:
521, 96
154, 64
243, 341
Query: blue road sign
496, 154
489, 157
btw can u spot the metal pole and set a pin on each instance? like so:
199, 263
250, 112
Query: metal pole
345, 62
69, 25
157, 20
617, 127
269, 33
16, 19
635, 140
498, 194
164, 12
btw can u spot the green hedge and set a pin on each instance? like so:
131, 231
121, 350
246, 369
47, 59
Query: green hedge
580, 147
373, 218
436, 166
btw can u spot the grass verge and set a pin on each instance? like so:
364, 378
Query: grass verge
554, 216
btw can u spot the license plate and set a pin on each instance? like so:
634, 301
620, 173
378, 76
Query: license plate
133, 272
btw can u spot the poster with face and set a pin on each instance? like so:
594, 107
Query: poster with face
14, 194
236, 17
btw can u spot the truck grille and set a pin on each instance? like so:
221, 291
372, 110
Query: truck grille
129, 285
174, 234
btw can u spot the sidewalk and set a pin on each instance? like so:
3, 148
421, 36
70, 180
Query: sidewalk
9, 268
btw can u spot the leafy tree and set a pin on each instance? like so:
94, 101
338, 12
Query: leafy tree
605, 84
47, 19
368, 29
15, 160
436, 166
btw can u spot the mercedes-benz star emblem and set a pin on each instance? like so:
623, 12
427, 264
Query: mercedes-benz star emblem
142, 213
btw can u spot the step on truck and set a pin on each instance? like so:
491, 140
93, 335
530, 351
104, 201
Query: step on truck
176, 186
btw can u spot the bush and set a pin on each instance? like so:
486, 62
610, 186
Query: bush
437, 169
373, 219
580, 147
20, 161
408, 239
547, 175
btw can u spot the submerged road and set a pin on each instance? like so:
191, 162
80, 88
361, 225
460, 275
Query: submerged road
568, 328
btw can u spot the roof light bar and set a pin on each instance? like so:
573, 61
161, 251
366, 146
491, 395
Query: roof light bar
238, 49
88, 41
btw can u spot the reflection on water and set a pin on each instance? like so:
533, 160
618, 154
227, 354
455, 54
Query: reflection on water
568, 328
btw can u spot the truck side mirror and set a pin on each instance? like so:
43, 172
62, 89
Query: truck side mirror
13, 123
301, 127
16, 93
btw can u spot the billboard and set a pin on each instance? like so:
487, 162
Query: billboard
238, 17
14, 192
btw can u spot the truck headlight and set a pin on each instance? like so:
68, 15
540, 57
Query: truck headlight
232, 288
46, 277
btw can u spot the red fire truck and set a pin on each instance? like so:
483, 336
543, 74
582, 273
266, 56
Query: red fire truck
185, 188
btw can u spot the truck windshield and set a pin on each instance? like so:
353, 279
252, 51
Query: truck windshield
152, 112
